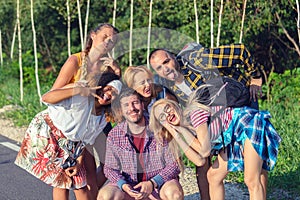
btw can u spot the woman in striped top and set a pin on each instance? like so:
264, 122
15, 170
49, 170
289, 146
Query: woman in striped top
241, 138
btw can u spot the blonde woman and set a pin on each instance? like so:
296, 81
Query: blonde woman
140, 78
250, 141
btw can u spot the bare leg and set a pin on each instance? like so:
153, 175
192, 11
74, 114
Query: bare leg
252, 173
215, 175
100, 149
101, 179
264, 181
60, 194
201, 174
82, 194
91, 176
171, 190
109, 192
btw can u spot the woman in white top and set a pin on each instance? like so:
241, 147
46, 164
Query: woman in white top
54, 143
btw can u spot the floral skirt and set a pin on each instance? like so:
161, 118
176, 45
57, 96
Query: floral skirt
43, 152
248, 123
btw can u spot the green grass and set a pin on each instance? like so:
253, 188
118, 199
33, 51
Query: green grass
284, 108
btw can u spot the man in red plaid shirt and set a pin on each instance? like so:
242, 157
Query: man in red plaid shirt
136, 165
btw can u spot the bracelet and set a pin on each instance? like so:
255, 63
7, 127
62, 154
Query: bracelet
152, 184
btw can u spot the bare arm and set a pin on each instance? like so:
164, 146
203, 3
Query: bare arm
191, 146
68, 70
57, 95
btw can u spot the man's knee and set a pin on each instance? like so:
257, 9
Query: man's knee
172, 190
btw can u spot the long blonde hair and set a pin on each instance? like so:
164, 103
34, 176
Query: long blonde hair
161, 133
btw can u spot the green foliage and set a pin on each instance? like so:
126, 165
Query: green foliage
285, 109
263, 34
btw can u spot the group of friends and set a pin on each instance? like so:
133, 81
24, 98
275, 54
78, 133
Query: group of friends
112, 135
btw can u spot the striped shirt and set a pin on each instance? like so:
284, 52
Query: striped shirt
199, 117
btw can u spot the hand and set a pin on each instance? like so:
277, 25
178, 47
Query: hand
87, 91
131, 192
145, 189
255, 88
110, 62
71, 171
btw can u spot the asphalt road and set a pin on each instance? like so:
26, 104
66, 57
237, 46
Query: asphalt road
16, 183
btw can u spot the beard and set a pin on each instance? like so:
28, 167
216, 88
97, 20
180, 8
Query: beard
137, 118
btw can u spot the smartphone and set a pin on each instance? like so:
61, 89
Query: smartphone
134, 191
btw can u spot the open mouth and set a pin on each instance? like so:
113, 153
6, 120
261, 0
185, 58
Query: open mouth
106, 97
147, 91
170, 74
172, 118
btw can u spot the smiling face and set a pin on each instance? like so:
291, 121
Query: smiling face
104, 39
164, 65
106, 95
166, 113
142, 83
132, 109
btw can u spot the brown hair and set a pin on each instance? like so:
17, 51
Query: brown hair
88, 46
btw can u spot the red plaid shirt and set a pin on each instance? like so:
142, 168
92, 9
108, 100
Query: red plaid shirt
121, 158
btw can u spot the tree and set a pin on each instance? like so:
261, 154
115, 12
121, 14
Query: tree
20, 50
68, 27
13, 41
130, 33
196, 21
35, 52
1, 54
149, 34
86, 21
220, 22
80, 25
243, 19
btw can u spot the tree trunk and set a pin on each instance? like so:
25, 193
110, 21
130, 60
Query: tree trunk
220, 22
1, 56
68, 28
114, 22
243, 20
290, 38
86, 21
149, 33
298, 21
20, 50
80, 24
35, 53
130, 33
13, 41
211, 23
196, 21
